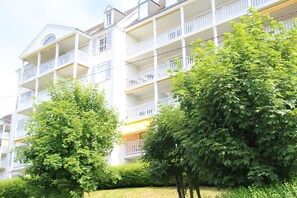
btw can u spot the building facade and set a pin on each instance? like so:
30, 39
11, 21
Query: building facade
4, 146
129, 55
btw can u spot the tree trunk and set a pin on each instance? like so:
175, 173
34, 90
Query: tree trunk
178, 186
190, 186
183, 190
197, 187
82, 194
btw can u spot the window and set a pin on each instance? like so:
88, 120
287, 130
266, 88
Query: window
49, 39
108, 18
102, 44
21, 124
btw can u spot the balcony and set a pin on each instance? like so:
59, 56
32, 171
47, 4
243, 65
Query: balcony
140, 111
140, 79
169, 36
47, 66
29, 74
20, 133
133, 148
166, 69
18, 165
25, 104
198, 24
165, 101
43, 96
140, 47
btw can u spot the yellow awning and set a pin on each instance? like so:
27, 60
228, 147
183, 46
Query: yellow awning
135, 127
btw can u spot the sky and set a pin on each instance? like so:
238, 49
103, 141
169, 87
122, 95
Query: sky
22, 20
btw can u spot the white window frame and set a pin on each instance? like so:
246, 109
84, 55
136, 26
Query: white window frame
102, 45
108, 18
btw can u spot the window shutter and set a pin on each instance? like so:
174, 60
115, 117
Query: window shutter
108, 40
108, 69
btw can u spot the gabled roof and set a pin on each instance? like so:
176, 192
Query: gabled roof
58, 30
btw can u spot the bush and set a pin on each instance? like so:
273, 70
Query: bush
287, 189
131, 175
13, 188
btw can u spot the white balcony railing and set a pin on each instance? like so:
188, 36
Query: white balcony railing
289, 24
25, 103
140, 79
189, 62
261, 3
141, 111
165, 101
165, 69
29, 74
20, 133
47, 66
140, 47
133, 147
198, 24
43, 96
232, 10
66, 58
169, 35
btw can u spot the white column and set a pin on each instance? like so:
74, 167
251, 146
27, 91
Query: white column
75, 55
37, 71
184, 53
215, 32
182, 20
155, 66
56, 61
22, 72
89, 57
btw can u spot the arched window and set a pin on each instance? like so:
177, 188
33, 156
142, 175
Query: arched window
49, 39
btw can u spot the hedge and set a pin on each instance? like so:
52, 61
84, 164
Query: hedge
131, 175
13, 188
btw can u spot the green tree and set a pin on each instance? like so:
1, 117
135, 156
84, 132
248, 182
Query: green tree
69, 137
240, 101
162, 148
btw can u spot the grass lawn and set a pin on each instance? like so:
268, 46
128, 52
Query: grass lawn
149, 192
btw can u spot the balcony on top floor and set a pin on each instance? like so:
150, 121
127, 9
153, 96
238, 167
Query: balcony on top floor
62, 57
169, 27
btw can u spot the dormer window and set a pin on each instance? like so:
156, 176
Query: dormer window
49, 39
108, 18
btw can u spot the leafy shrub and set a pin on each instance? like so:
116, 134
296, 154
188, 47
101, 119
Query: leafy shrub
130, 175
13, 188
287, 189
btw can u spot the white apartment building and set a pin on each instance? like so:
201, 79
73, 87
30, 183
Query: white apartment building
4, 146
128, 55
